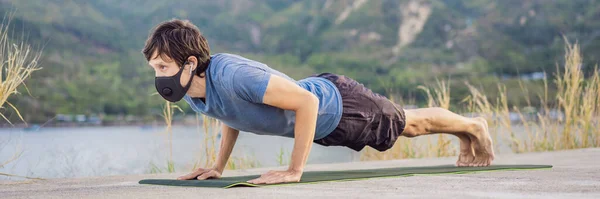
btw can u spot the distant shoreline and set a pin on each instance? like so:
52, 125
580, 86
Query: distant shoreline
105, 124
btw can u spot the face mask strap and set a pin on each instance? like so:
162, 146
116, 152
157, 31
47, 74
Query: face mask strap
192, 77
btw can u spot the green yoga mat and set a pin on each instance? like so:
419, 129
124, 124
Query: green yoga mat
325, 176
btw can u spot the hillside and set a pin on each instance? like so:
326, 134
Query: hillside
92, 62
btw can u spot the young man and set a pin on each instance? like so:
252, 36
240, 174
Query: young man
328, 109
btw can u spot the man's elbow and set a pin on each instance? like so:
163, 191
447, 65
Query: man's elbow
305, 101
312, 101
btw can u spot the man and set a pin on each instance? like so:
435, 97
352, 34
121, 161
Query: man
328, 109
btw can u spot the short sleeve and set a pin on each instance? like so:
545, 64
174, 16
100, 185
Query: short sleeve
250, 83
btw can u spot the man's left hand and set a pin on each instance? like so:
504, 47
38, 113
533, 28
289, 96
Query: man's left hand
274, 177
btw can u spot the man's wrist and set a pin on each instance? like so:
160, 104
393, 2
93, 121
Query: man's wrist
217, 168
295, 170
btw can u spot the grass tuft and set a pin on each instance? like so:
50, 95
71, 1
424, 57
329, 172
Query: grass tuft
17, 61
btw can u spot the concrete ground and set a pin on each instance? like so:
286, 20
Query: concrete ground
576, 174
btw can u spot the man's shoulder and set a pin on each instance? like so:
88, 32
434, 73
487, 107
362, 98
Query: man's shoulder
231, 59
226, 63
225, 68
223, 57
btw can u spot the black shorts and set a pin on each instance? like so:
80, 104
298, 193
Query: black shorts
368, 119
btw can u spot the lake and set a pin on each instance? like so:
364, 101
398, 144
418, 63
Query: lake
102, 151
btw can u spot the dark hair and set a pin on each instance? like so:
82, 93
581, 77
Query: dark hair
178, 39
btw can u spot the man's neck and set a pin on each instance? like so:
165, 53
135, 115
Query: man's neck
198, 87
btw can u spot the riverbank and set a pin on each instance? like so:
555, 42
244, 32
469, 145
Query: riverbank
575, 174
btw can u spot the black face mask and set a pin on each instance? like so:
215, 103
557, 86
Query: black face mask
170, 88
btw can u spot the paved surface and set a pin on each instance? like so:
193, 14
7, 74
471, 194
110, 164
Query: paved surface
576, 174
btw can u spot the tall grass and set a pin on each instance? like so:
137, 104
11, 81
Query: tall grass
282, 157
571, 123
211, 131
167, 114
17, 61
578, 102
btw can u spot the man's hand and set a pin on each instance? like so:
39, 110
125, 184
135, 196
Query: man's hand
228, 140
274, 177
202, 174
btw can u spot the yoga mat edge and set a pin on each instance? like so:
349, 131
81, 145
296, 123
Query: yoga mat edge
224, 183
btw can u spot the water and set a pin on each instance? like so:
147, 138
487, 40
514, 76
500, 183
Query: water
103, 151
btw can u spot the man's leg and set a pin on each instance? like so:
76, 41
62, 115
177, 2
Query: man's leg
475, 141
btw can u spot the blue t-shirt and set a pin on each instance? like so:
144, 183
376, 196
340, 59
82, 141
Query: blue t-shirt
235, 87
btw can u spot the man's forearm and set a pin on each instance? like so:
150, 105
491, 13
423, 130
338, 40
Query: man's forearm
228, 139
306, 122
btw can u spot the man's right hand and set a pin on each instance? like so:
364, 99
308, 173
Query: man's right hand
228, 139
202, 174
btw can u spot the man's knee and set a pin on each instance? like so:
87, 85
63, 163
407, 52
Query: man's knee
411, 130
416, 124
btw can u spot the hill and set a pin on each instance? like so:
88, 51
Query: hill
93, 65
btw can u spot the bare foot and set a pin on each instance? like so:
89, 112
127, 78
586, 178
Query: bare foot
466, 155
482, 145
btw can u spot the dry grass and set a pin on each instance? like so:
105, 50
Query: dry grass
282, 157
579, 102
211, 130
572, 123
167, 114
244, 162
17, 61
576, 125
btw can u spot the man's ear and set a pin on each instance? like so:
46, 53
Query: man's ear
192, 61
